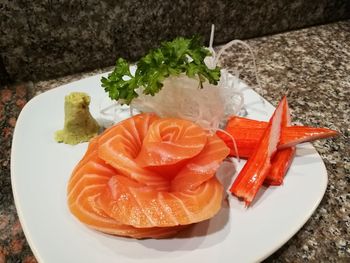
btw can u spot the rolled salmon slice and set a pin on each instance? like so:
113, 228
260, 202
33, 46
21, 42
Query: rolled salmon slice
84, 189
119, 146
122, 184
170, 141
92, 148
202, 167
133, 204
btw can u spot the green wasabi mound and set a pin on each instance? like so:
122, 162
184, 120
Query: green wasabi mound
79, 125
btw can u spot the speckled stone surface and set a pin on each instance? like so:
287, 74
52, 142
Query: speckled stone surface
312, 67
45, 39
13, 245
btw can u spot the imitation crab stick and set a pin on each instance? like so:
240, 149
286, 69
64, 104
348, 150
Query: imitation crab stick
282, 160
280, 164
254, 172
247, 132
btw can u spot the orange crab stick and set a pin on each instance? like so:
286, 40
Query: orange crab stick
254, 172
280, 164
247, 133
282, 160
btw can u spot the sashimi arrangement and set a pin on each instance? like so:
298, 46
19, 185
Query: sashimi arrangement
154, 174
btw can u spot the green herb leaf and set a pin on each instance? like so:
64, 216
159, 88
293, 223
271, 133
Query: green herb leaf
172, 58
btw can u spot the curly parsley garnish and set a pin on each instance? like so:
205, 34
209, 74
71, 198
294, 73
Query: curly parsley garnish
172, 58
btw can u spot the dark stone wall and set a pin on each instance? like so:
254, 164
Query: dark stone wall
45, 39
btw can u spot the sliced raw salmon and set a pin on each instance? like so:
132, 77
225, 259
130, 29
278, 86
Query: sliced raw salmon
170, 141
132, 204
169, 144
120, 145
122, 184
202, 167
84, 189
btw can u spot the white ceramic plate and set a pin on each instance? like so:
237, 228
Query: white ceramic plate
40, 169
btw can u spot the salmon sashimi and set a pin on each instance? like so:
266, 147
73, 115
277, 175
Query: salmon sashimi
84, 189
170, 141
121, 185
120, 145
202, 167
133, 204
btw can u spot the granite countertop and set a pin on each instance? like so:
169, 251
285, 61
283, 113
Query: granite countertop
311, 66
46, 39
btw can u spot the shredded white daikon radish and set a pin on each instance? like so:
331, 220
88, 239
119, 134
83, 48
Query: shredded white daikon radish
182, 97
